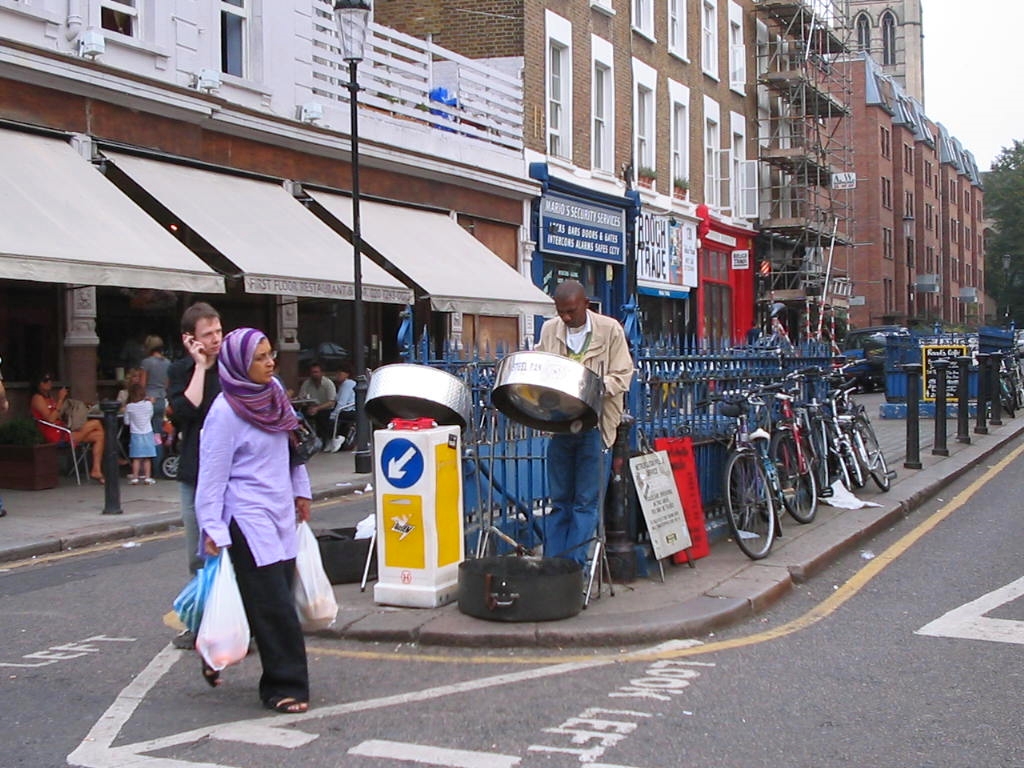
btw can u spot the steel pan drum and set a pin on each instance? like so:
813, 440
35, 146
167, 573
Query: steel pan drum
548, 392
408, 391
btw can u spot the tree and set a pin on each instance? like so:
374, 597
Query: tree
1004, 204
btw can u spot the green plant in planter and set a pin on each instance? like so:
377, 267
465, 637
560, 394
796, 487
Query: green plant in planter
20, 431
681, 183
646, 172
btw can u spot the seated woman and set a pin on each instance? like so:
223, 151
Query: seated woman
47, 408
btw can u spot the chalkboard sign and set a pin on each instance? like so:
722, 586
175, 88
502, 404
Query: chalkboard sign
659, 500
950, 352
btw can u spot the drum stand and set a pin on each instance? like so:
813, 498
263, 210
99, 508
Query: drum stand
599, 567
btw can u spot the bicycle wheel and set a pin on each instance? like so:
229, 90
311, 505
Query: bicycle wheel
749, 505
871, 453
799, 489
851, 464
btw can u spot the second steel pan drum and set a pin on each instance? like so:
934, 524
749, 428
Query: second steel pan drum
548, 392
409, 391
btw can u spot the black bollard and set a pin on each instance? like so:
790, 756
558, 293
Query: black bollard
995, 363
939, 444
963, 401
112, 485
981, 409
913, 371
621, 553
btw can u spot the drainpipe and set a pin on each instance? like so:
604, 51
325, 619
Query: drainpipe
74, 23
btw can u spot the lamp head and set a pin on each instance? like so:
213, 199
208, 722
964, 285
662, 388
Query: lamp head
353, 19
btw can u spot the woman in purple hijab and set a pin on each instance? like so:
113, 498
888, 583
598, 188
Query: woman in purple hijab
249, 498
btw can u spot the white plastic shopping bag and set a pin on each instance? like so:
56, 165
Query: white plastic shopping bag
223, 636
314, 595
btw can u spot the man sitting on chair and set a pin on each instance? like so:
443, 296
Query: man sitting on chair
344, 414
321, 392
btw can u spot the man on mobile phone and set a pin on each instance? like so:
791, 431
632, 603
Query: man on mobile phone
192, 385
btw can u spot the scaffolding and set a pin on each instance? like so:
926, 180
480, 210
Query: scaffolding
806, 150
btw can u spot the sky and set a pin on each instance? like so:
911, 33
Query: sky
973, 78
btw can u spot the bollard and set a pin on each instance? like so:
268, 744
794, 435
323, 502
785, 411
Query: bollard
939, 444
112, 486
963, 402
981, 409
995, 364
621, 552
913, 371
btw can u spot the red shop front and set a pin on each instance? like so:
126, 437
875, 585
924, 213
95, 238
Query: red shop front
726, 271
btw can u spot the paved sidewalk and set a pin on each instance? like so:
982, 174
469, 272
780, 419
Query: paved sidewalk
723, 588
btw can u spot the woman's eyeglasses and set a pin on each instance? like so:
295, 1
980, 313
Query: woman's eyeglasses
262, 358
46, 378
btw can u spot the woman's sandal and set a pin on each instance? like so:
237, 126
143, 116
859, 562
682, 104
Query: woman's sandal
287, 705
211, 675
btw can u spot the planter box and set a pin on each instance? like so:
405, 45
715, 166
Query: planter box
28, 467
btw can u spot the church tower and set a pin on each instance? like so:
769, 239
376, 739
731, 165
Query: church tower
891, 31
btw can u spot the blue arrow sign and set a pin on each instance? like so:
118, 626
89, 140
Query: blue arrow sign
402, 463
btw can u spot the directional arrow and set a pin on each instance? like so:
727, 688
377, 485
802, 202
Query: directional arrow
396, 467
969, 622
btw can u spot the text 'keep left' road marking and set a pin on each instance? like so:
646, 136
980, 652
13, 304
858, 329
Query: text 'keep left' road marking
969, 621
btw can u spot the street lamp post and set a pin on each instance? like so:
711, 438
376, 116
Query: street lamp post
1006, 284
353, 18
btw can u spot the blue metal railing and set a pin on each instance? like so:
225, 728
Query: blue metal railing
504, 470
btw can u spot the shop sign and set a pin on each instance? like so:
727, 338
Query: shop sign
666, 255
582, 229
741, 259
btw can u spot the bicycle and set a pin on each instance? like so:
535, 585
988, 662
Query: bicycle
753, 489
853, 439
791, 451
829, 428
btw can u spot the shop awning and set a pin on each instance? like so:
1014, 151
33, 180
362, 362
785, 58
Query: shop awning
279, 246
61, 221
453, 268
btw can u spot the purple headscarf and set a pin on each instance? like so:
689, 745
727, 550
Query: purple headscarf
263, 405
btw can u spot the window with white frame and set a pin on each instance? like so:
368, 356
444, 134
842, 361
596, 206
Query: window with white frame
709, 37
643, 17
644, 148
559, 86
603, 107
234, 27
121, 16
644, 127
744, 172
737, 49
712, 154
679, 130
677, 27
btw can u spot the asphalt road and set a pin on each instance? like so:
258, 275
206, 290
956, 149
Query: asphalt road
864, 665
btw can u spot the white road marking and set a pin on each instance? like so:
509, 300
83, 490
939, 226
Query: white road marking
251, 733
96, 750
969, 622
417, 753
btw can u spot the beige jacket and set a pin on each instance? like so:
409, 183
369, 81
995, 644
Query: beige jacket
608, 353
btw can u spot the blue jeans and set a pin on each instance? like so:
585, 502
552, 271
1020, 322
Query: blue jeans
575, 474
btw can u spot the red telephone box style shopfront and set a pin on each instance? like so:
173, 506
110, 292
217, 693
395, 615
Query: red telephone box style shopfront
726, 272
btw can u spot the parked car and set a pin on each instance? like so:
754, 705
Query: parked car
865, 348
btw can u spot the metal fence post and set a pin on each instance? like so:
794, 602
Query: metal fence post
963, 401
939, 445
913, 371
995, 360
112, 484
621, 553
982, 407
